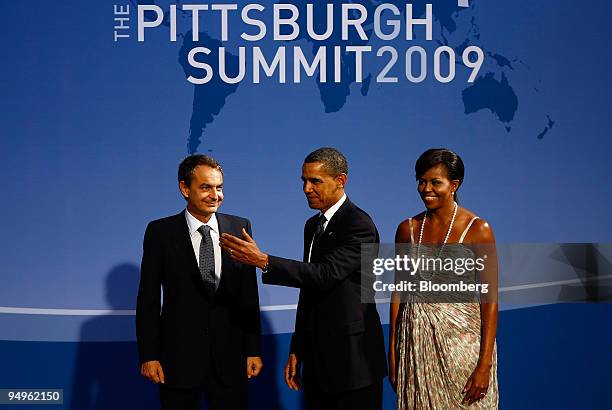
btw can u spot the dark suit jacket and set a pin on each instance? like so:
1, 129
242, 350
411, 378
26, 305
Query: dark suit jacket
338, 338
191, 330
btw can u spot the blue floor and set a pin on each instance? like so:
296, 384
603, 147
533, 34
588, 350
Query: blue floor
550, 357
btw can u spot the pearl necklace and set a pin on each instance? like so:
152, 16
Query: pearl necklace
450, 227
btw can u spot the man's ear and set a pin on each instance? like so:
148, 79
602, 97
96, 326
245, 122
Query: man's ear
184, 189
341, 180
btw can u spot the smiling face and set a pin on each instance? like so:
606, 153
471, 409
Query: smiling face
321, 189
435, 188
205, 193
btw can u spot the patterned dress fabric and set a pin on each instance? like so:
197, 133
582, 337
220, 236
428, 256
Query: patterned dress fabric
437, 346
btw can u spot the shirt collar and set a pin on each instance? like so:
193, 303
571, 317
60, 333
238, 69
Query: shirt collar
193, 223
331, 211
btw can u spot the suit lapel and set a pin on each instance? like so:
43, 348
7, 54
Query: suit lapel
226, 261
308, 234
334, 225
184, 241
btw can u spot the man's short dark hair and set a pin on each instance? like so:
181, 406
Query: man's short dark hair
333, 161
185, 170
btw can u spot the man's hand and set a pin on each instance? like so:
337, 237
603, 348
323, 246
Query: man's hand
254, 366
152, 370
245, 251
292, 373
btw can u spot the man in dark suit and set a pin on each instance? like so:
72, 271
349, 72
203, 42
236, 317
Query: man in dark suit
337, 337
205, 337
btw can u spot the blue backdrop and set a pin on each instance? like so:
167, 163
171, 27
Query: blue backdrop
92, 131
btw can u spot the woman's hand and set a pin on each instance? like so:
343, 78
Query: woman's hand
477, 384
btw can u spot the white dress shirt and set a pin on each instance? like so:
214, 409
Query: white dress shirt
196, 239
328, 216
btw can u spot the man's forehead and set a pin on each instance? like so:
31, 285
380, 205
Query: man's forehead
312, 169
204, 172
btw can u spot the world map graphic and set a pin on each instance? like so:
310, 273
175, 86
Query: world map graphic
490, 91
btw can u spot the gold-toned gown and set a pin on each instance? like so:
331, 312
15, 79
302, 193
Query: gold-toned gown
437, 349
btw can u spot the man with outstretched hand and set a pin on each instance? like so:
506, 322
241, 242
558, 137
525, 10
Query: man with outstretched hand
338, 339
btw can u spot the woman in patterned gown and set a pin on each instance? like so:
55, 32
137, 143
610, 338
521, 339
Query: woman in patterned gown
444, 355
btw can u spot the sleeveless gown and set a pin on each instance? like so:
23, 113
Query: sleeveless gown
437, 347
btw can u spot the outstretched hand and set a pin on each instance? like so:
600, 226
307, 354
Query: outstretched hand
243, 250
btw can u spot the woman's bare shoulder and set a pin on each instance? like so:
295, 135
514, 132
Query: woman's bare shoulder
480, 232
403, 229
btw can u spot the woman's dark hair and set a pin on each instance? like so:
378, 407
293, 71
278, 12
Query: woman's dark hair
446, 157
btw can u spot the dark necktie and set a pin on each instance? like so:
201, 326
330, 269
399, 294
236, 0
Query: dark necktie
207, 259
319, 231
